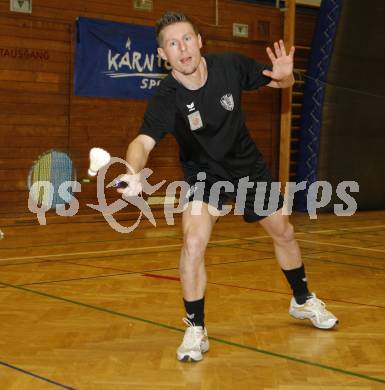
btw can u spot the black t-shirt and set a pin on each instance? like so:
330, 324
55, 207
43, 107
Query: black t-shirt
208, 123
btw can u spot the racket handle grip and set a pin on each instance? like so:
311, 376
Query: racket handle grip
120, 184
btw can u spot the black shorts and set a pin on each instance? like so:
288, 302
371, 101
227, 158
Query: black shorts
255, 196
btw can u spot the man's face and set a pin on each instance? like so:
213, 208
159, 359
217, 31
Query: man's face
181, 47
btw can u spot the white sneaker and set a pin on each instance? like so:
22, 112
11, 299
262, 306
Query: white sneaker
195, 343
314, 310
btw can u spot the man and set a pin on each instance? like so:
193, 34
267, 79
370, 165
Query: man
199, 103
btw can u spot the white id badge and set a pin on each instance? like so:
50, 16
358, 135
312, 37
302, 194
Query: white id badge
195, 120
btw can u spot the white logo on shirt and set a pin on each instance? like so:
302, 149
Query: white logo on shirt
190, 106
227, 102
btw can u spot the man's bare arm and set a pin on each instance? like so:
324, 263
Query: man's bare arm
137, 155
138, 152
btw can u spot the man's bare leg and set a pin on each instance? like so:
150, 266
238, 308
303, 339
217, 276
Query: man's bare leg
196, 235
304, 305
286, 247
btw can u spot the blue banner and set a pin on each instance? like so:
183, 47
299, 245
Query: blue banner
314, 90
116, 60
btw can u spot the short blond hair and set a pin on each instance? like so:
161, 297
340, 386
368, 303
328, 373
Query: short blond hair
169, 18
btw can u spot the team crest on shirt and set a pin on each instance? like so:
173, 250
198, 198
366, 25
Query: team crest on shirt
227, 102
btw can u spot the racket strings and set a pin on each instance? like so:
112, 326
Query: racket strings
40, 173
62, 170
54, 168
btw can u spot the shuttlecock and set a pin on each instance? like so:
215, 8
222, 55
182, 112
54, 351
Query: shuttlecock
98, 159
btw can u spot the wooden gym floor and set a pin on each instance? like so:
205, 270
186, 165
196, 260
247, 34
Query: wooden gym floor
84, 307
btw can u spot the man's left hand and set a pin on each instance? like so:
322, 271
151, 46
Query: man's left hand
282, 62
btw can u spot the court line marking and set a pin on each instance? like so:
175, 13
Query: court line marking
124, 239
340, 229
319, 242
244, 238
176, 246
222, 341
211, 246
309, 257
369, 242
174, 278
118, 250
64, 261
363, 227
147, 273
36, 376
348, 229
342, 246
128, 272
311, 254
176, 235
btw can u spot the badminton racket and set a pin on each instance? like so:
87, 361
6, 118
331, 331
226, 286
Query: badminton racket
47, 174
